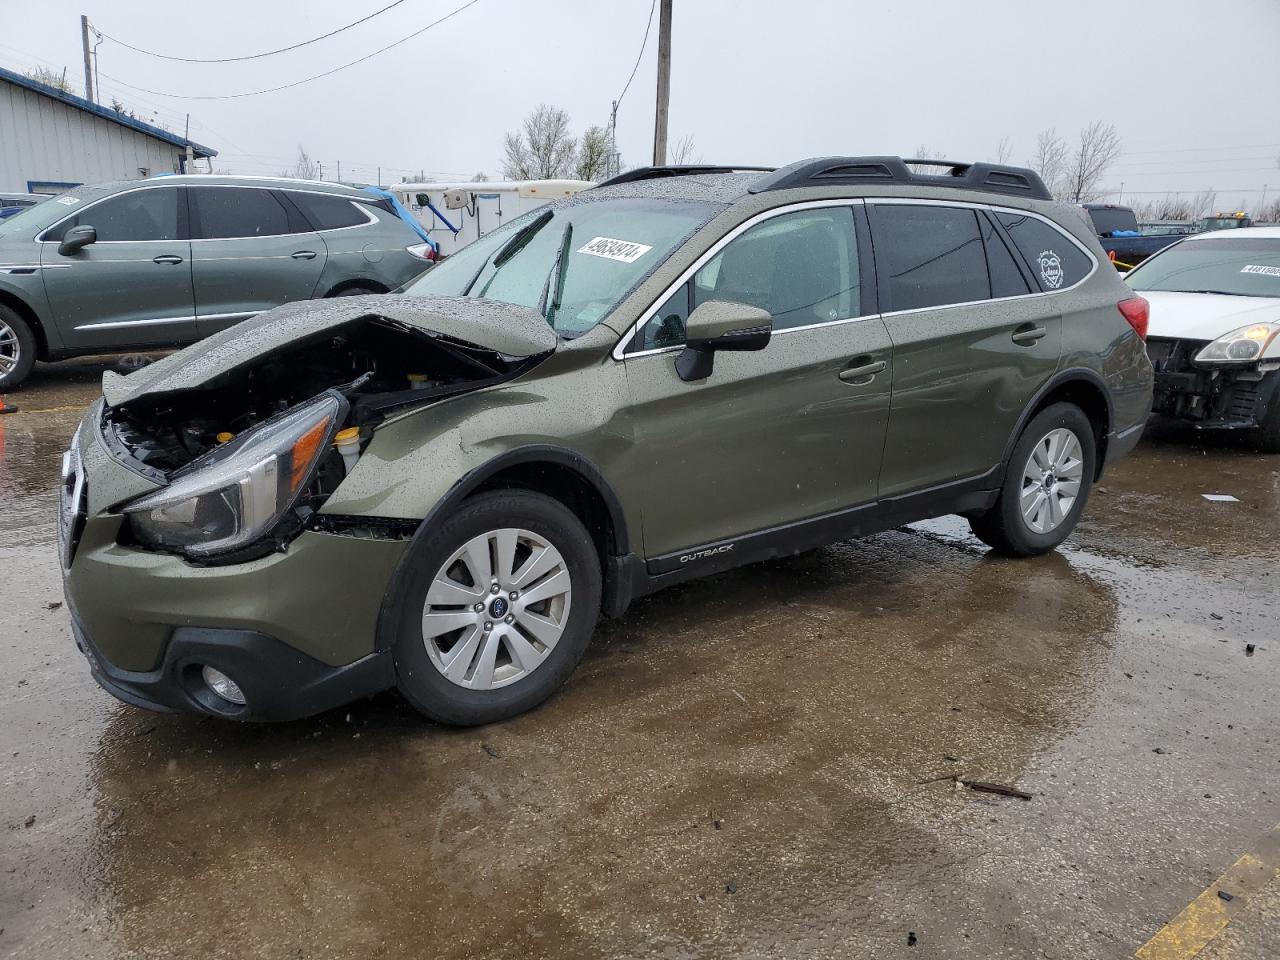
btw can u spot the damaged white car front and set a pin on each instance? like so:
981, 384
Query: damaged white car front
1214, 335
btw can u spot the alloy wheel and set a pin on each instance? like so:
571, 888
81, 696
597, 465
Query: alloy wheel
10, 349
496, 608
1051, 480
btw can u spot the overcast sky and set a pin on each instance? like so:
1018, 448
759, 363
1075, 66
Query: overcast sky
1191, 85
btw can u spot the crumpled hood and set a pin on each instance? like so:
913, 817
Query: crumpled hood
1205, 316
502, 327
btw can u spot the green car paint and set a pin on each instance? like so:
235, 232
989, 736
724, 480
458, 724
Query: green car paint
835, 428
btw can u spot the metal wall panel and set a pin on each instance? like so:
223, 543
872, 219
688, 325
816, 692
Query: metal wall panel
45, 140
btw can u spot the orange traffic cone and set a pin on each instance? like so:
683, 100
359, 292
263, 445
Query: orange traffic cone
7, 408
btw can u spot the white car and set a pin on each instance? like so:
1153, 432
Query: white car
1214, 333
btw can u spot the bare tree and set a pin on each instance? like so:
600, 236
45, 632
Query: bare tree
1098, 148
592, 161
542, 149
51, 78
1270, 213
683, 151
924, 152
304, 168
480, 177
1050, 160
119, 107
1004, 150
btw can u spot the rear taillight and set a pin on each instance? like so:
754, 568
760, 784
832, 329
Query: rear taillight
423, 251
1137, 311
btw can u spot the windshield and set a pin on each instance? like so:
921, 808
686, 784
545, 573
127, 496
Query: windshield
1246, 268
573, 262
1107, 220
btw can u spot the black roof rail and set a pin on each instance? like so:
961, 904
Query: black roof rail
675, 170
986, 177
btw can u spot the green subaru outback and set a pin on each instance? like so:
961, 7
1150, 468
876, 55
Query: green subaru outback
680, 371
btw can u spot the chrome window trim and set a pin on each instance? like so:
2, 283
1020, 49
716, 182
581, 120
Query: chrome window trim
619, 354
93, 203
359, 205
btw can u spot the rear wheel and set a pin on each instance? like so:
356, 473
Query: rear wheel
356, 292
17, 349
500, 604
1047, 483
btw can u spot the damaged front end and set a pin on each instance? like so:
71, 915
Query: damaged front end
1225, 384
247, 447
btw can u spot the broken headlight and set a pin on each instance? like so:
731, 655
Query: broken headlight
237, 492
1254, 342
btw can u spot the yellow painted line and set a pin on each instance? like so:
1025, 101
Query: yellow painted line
1208, 914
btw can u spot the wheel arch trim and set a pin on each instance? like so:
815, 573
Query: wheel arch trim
472, 480
1064, 378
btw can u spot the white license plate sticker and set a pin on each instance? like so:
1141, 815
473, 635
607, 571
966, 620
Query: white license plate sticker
624, 251
1261, 268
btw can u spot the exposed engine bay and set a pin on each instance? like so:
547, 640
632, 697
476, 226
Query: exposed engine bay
378, 365
337, 385
1212, 397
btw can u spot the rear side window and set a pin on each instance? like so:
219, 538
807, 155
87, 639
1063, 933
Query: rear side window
931, 256
326, 212
134, 216
223, 213
1006, 278
1055, 261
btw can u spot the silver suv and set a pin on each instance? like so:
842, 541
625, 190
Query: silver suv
166, 261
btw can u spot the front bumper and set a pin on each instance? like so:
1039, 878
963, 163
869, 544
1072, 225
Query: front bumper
1212, 398
278, 681
297, 631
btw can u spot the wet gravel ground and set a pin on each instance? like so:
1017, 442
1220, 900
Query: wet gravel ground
761, 764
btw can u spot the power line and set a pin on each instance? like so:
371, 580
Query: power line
297, 83
1147, 163
252, 56
1248, 146
639, 56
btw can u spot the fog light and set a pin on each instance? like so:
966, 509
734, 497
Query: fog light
223, 686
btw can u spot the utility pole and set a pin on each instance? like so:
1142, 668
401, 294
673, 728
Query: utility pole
88, 71
664, 84
339, 171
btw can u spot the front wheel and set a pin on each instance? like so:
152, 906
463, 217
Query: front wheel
17, 349
1047, 483
499, 606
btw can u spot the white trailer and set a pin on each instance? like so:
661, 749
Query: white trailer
457, 213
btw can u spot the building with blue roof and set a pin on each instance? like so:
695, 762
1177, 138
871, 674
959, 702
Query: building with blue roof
51, 140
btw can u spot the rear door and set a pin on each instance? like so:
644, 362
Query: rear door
251, 251
792, 432
971, 343
130, 289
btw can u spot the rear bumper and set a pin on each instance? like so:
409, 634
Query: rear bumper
278, 681
1120, 443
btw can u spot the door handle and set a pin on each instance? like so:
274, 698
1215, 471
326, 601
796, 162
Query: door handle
1027, 334
862, 371
304, 255
167, 258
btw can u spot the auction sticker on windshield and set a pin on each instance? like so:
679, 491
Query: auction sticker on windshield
624, 251
1261, 268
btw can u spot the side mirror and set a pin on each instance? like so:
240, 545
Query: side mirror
721, 325
77, 237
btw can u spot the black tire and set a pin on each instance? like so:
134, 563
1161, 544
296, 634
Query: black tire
1268, 439
1003, 527
422, 682
356, 292
21, 347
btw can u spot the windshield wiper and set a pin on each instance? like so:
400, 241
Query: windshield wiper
1224, 293
509, 249
558, 269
